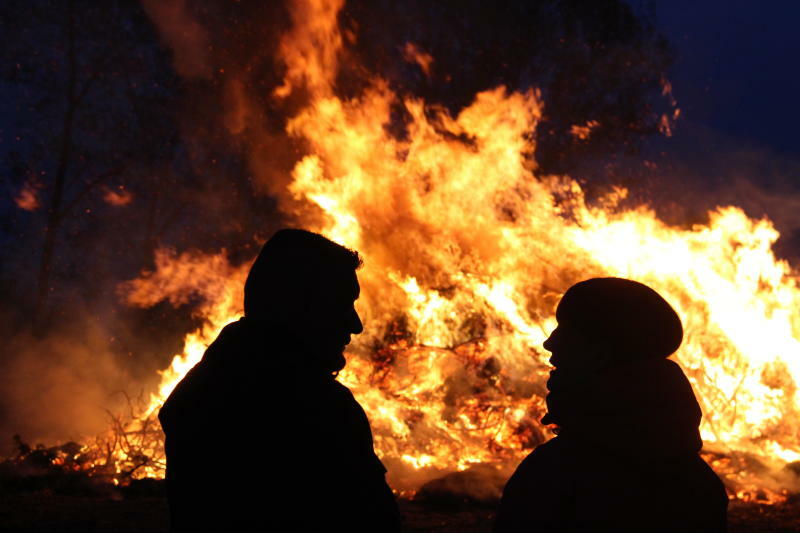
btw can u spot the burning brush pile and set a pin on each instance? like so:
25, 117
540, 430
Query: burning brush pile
467, 247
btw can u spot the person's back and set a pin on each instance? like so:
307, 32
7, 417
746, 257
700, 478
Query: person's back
260, 435
626, 455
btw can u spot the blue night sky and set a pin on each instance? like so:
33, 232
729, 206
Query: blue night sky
736, 69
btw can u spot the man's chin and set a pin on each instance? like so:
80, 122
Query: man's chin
556, 380
333, 362
339, 362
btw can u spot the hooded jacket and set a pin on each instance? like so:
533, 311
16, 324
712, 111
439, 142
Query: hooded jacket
256, 441
625, 459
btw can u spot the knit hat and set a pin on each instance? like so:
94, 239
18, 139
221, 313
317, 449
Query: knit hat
628, 318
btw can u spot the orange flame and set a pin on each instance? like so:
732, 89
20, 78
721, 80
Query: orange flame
467, 250
413, 54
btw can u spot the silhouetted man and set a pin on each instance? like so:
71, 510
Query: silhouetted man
259, 434
626, 455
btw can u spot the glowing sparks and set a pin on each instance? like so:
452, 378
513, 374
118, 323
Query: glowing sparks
582, 132
28, 196
413, 54
119, 197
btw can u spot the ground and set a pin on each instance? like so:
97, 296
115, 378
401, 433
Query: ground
43, 512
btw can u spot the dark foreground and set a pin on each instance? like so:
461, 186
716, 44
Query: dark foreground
42, 511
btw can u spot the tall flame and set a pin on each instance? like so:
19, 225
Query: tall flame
466, 251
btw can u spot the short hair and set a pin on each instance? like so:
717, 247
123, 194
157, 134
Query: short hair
292, 262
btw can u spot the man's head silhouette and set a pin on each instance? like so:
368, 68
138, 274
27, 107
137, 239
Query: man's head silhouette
306, 285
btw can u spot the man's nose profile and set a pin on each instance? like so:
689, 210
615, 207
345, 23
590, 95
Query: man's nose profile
357, 324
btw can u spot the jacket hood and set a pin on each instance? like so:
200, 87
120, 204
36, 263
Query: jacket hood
645, 408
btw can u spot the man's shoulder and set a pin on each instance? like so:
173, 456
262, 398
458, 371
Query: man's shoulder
555, 447
340, 397
552, 454
198, 386
188, 396
341, 390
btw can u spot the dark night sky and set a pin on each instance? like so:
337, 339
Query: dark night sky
735, 70
736, 67
736, 81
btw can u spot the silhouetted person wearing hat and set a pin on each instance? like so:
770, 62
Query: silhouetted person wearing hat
626, 455
259, 434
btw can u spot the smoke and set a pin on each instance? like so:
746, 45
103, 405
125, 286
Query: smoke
204, 281
61, 387
264, 61
184, 35
701, 168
